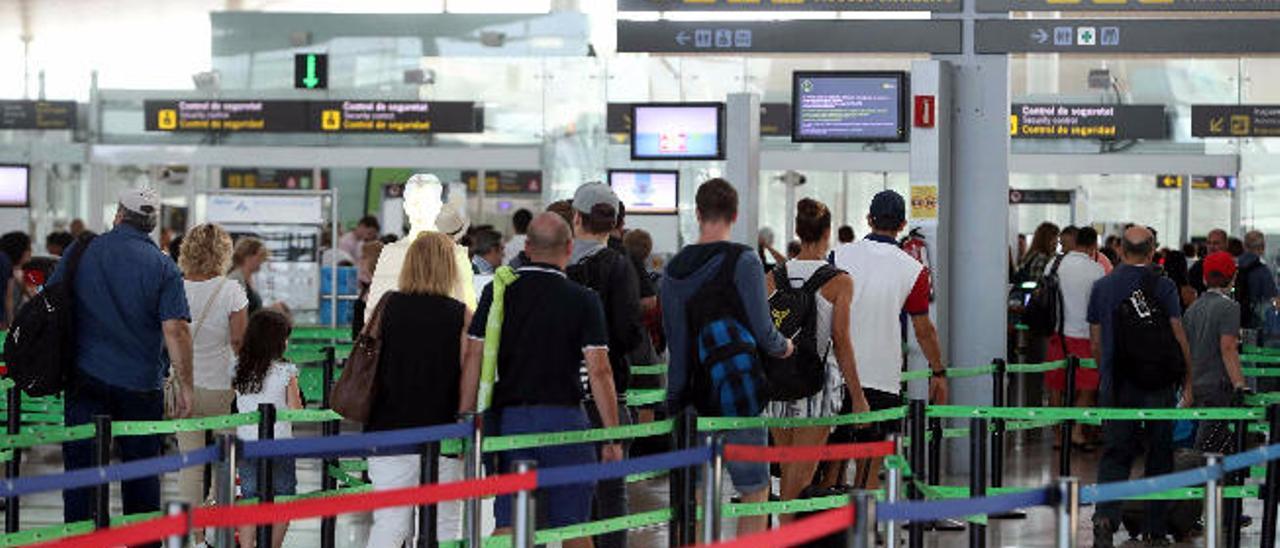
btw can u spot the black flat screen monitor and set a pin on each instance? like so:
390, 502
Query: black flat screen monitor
849, 106
652, 192
677, 131
15, 185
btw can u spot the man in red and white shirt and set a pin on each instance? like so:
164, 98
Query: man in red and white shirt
887, 282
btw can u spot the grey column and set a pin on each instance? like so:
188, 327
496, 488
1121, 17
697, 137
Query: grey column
976, 215
742, 162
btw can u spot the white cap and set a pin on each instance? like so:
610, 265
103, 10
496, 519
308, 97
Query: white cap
452, 221
143, 201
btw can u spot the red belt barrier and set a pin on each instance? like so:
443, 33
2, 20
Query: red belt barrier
797, 532
270, 512
804, 453
138, 533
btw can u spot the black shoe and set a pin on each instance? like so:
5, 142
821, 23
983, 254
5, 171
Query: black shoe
1102, 533
1160, 540
1245, 521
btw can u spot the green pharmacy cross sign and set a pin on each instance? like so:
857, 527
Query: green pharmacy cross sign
311, 71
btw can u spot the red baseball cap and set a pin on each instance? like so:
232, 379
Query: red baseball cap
1222, 263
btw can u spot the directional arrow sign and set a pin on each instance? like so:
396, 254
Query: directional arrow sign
682, 38
311, 71
1040, 36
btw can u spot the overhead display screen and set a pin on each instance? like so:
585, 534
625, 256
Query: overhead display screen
652, 192
848, 106
21, 114
246, 116
677, 131
14, 187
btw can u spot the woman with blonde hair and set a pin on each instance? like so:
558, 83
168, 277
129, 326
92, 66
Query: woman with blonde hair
419, 377
218, 315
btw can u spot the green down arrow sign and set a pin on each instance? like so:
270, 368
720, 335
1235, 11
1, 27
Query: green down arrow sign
311, 80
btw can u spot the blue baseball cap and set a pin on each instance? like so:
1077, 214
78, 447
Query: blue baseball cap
888, 207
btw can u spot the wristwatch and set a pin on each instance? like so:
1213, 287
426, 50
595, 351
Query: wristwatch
939, 373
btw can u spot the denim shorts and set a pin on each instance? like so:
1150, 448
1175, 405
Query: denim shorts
564, 505
284, 476
747, 477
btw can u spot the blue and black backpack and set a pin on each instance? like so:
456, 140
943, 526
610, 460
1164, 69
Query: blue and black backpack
727, 378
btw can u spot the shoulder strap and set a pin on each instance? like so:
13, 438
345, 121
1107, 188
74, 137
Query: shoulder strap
204, 313
729, 264
781, 281
820, 277
1150, 284
1057, 262
73, 262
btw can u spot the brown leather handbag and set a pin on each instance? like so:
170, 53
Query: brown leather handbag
353, 393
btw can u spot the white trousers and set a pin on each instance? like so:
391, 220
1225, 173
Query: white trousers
393, 526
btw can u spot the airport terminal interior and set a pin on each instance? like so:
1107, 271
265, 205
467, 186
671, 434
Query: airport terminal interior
996, 132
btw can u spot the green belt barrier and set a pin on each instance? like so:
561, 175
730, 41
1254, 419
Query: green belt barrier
646, 476
1074, 413
548, 536
147, 428
304, 356
645, 396
527, 441
1260, 371
345, 478
1262, 400
898, 462
952, 373
307, 415
310, 380
1260, 358
341, 350
658, 369
708, 424
816, 504
54, 532
321, 333
356, 465
6, 384
49, 437
1035, 367
1252, 349
313, 495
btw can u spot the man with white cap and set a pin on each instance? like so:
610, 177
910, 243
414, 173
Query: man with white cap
130, 308
610, 275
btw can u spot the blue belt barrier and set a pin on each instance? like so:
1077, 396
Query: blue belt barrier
1106, 492
391, 442
568, 475
125, 471
945, 509
1252, 457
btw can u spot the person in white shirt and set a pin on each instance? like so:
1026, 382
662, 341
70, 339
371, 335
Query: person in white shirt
520, 225
353, 242
889, 282
219, 309
1077, 272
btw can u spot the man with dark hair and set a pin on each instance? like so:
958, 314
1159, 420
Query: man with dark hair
57, 242
1134, 283
520, 225
610, 275
486, 251
130, 307
846, 235
1215, 242
366, 230
1256, 283
688, 271
550, 327
1077, 272
1067, 238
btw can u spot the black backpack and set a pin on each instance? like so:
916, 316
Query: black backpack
1146, 352
726, 377
795, 315
1244, 296
593, 273
40, 350
1045, 310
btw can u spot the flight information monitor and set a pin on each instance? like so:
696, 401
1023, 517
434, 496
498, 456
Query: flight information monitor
651, 192
677, 131
14, 187
848, 107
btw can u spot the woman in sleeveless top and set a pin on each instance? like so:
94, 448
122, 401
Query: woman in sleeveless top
417, 383
813, 226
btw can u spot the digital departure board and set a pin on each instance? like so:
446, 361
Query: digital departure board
647, 192
247, 116
788, 5
15, 185
677, 131
505, 181
1106, 122
848, 106
1235, 120
275, 179
775, 119
22, 114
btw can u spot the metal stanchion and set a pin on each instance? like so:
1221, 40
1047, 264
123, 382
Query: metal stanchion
684, 515
1235, 506
1271, 489
266, 474
428, 474
472, 520
102, 457
1212, 506
712, 478
224, 486
934, 473
178, 508
13, 468
977, 476
863, 532
916, 458
525, 517
893, 492
328, 524
999, 381
1068, 512
1064, 437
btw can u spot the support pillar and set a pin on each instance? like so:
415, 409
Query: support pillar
742, 162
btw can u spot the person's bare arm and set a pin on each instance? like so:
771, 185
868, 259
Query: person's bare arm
1181, 335
177, 338
1095, 341
468, 391
927, 336
237, 322
293, 396
600, 377
839, 291
1231, 358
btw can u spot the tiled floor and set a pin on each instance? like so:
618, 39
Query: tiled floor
1028, 464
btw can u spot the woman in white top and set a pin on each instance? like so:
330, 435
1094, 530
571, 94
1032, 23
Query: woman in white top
833, 298
218, 315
